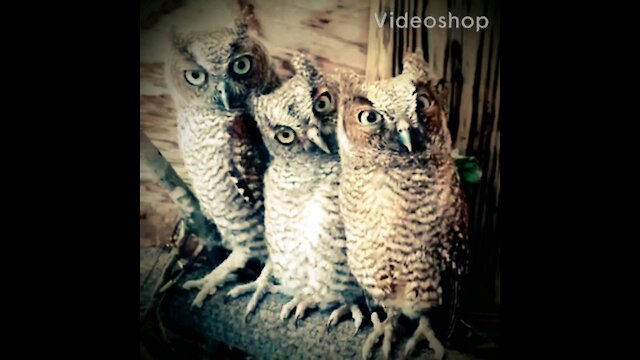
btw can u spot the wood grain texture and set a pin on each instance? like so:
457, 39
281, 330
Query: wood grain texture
381, 42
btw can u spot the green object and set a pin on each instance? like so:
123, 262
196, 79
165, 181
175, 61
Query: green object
468, 168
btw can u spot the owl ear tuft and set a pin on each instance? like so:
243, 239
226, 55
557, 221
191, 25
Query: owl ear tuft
303, 67
415, 64
178, 39
350, 84
441, 90
242, 21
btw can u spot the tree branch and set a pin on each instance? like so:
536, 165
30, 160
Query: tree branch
265, 336
179, 192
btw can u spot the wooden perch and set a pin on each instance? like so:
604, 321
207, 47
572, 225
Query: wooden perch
265, 336
179, 192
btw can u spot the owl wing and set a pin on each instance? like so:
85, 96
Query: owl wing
453, 258
250, 158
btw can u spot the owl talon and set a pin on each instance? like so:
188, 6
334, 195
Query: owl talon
384, 329
286, 308
424, 331
208, 285
260, 287
336, 314
357, 318
221, 275
306, 303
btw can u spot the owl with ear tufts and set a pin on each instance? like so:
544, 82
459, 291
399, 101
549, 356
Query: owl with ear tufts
213, 77
404, 211
303, 226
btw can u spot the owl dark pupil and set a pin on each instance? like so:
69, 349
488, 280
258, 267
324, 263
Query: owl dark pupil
241, 65
285, 134
371, 117
195, 75
321, 104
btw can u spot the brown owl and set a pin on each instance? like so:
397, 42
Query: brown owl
404, 212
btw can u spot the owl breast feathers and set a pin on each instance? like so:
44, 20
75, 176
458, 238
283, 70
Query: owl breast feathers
404, 211
213, 77
303, 225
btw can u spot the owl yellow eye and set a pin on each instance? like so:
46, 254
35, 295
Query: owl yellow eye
323, 103
370, 118
241, 66
423, 102
195, 77
285, 135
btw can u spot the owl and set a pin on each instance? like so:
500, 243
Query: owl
404, 211
303, 225
212, 77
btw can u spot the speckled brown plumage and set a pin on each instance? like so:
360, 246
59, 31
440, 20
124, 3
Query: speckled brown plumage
404, 211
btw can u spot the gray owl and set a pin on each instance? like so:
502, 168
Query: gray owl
303, 226
212, 77
405, 214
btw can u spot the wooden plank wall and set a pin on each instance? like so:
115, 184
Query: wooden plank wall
469, 61
345, 34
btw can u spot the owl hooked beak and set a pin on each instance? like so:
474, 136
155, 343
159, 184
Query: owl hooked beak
313, 134
404, 135
223, 94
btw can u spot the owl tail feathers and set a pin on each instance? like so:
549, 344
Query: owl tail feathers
468, 167
245, 16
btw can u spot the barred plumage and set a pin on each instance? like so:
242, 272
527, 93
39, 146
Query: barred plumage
404, 211
304, 229
213, 77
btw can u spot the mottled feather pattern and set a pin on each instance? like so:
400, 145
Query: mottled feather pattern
401, 254
213, 77
404, 211
308, 253
304, 228
208, 142
357, 193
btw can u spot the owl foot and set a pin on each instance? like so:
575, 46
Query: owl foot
343, 310
221, 275
260, 287
301, 304
384, 329
208, 285
424, 330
